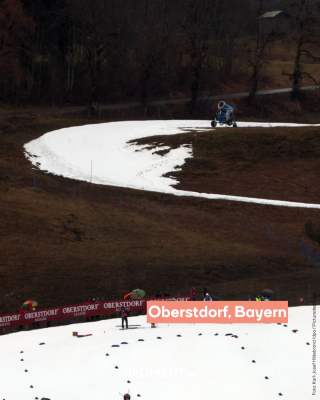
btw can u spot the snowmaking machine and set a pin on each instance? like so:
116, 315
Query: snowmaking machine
225, 116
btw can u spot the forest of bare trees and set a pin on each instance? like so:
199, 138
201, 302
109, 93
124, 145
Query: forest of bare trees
95, 51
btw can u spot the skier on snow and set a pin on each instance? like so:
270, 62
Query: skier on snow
124, 316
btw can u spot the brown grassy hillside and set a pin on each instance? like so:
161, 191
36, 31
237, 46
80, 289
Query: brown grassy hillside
67, 240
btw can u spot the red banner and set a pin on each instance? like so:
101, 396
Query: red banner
80, 310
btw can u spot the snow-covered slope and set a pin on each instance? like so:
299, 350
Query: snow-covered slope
101, 154
190, 367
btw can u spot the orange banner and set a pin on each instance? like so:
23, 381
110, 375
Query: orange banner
219, 312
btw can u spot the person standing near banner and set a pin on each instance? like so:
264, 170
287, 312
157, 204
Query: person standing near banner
139, 297
88, 302
301, 300
22, 311
113, 297
35, 324
124, 316
207, 297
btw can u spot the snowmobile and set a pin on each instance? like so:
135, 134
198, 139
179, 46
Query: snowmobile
225, 116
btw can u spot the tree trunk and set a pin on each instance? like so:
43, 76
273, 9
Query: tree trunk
146, 11
254, 85
297, 76
195, 85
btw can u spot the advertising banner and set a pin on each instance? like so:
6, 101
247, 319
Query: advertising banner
79, 310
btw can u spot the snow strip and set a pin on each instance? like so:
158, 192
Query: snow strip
101, 154
190, 367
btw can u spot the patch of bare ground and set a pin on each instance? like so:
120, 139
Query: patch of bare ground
271, 163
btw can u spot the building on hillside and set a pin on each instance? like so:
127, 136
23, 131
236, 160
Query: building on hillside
275, 21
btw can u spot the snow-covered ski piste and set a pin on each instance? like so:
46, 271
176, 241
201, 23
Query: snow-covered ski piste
102, 154
176, 361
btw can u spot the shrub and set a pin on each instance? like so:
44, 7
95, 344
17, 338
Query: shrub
313, 231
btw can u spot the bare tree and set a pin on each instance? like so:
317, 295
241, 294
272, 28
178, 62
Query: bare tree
229, 28
198, 25
97, 40
153, 62
15, 28
153, 48
307, 39
256, 46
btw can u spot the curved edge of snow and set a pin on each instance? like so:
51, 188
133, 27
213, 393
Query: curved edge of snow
100, 154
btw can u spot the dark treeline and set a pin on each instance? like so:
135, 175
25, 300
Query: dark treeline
94, 51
